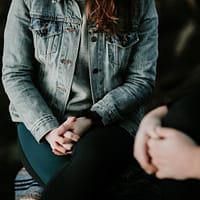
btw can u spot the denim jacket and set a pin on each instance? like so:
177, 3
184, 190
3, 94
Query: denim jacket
40, 50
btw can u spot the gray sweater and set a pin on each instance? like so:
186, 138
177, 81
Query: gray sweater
80, 96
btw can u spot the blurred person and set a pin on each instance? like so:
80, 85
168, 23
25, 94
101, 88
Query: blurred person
167, 144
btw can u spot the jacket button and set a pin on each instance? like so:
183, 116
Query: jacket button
66, 61
71, 29
93, 38
95, 70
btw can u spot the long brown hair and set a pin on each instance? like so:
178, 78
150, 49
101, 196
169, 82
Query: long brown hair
107, 14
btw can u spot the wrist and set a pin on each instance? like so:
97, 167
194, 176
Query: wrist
94, 116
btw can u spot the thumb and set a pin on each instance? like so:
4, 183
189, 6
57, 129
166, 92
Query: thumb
152, 133
65, 126
161, 111
70, 120
162, 132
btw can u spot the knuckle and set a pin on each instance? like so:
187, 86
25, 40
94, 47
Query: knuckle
71, 135
62, 140
67, 135
70, 146
145, 166
135, 153
158, 175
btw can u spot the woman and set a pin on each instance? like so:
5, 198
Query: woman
77, 74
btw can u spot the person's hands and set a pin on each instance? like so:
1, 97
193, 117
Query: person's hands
78, 126
75, 129
172, 153
60, 140
148, 124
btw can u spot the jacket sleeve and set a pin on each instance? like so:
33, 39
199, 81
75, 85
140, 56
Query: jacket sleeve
140, 74
17, 73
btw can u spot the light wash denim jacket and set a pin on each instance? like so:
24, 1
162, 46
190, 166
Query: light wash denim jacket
42, 41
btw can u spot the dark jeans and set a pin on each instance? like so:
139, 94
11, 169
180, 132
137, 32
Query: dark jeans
97, 160
180, 189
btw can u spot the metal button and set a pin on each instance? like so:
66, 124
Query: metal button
95, 70
66, 61
71, 29
93, 38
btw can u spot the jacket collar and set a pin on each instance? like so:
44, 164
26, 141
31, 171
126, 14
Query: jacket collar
55, 1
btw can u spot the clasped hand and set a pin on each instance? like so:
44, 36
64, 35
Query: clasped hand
63, 138
165, 152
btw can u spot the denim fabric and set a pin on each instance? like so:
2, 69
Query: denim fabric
41, 47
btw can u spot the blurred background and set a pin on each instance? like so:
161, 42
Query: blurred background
178, 70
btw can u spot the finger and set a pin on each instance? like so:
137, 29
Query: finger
58, 153
68, 153
71, 136
70, 120
67, 140
159, 174
163, 132
155, 157
144, 160
61, 129
153, 146
59, 148
65, 126
152, 134
60, 140
68, 146
61, 154
149, 168
155, 162
161, 111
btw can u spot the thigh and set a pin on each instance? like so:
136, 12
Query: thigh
97, 160
38, 158
180, 189
103, 151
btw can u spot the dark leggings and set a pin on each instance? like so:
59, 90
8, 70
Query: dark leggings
97, 159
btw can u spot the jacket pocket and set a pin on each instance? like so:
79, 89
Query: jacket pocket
46, 34
119, 48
